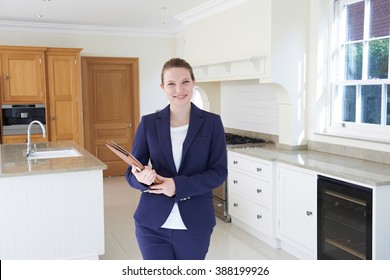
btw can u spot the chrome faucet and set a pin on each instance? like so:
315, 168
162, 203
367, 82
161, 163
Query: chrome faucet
29, 149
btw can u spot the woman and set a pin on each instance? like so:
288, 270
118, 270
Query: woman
186, 149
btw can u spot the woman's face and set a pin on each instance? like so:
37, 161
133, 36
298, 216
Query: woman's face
178, 86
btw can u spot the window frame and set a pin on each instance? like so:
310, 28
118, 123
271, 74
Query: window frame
335, 124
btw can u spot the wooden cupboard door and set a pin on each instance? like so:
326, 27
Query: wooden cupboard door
111, 107
23, 77
64, 111
19, 139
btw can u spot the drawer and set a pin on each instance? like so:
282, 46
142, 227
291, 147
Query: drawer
258, 190
251, 165
252, 214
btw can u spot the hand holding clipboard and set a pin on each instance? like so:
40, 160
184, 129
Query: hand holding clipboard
127, 157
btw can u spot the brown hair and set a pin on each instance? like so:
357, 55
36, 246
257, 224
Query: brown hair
176, 63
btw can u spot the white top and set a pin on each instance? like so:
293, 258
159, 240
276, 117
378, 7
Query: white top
178, 134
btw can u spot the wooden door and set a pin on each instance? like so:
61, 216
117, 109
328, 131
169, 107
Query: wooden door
111, 107
23, 76
64, 91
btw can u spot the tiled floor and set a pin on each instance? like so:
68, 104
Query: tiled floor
228, 241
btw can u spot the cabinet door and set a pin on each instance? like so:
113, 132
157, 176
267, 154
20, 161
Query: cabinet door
63, 71
297, 190
19, 139
23, 77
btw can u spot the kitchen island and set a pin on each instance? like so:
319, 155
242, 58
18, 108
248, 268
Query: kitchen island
50, 208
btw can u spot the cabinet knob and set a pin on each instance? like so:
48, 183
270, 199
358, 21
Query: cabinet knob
258, 169
5, 77
259, 216
235, 182
259, 191
309, 213
52, 118
235, 162
235, 204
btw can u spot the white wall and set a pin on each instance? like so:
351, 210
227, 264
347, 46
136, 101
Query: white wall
152, 53
235, 33
289, 59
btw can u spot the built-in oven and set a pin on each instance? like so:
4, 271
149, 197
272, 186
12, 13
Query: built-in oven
344, 220
16, 118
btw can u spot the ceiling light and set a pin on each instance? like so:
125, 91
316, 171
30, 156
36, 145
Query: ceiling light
39, 16
163, 14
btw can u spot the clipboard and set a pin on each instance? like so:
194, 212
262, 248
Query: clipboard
126, 156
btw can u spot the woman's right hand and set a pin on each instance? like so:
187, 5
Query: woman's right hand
146, 176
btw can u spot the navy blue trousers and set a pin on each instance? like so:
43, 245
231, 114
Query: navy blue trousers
172, 244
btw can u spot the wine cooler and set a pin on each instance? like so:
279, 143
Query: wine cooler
344, 220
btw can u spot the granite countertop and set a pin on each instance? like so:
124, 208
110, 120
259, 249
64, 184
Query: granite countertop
13, 161
356, 170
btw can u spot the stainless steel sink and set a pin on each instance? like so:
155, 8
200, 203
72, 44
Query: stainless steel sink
57, 153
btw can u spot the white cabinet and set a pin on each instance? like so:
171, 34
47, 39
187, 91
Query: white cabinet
52, 216
251, 196
297, 210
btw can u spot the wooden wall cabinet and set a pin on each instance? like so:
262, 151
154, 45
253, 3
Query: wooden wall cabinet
42, 75
22, 138
23, 75
64, 94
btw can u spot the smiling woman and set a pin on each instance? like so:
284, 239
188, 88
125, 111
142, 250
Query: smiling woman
186, 148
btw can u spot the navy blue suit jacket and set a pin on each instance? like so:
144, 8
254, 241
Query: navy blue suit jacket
203, 168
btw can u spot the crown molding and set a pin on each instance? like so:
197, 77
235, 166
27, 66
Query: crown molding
207, 9
85, 29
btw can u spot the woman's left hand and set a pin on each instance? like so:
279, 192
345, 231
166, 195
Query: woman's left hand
167, 187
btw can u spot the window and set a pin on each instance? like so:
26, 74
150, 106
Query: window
360, 103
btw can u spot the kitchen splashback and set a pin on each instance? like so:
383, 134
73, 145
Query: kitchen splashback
249, 106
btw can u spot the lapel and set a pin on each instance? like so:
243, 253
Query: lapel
164, 133
196, 122
164, 136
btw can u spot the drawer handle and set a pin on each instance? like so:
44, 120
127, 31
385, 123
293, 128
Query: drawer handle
235, 182
259, 217
259, 169
309, 213
219, 204
235, 204
259, 190
235, 162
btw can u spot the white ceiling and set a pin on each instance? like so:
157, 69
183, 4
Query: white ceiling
138, 14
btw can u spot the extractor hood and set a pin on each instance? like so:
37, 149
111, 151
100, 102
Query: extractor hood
249, 68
